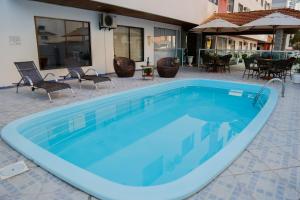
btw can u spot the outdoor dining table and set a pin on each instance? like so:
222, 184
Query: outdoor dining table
271, 66
215, 64
265, 65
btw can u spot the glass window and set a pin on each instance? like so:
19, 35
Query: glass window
129, 43
165, 38
214, 1
240, 8
230, 7
59, 40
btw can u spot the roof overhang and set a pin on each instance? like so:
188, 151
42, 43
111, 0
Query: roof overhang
103, 7
253, 32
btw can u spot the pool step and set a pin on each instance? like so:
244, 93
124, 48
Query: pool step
13, 170
237, 93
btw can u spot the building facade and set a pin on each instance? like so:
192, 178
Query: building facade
293, 4
50, 32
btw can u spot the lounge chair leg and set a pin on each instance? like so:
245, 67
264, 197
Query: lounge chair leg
73, 94
96, 86
49, 97
17, 89
244, 73
113, 84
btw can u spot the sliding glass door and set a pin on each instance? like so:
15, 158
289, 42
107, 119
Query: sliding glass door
166, 42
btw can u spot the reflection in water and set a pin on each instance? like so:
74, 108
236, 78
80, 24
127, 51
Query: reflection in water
150, 140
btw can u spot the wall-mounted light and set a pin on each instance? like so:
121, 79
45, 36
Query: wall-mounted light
150, 40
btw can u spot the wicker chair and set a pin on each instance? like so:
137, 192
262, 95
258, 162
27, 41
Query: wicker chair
208, 62
167, 67
289, 66
250, 68
226, 60
124, 67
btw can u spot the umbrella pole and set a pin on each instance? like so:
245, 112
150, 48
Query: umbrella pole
216, 42
273, 42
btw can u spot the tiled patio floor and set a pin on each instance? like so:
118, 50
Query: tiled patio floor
268, 169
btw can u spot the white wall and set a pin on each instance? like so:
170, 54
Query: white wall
253, 5
193, 11
17, 18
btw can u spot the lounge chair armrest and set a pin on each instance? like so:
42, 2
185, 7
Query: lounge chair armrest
26, 78
92, 69
75, 72
53, 75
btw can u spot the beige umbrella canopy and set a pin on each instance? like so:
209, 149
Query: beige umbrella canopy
277, 20
216, 26
274, 21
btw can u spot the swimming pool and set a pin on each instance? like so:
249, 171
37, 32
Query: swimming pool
165, 141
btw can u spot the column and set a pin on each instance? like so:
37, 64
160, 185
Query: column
278, 41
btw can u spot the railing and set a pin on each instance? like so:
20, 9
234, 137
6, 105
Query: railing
238, 54
256, 98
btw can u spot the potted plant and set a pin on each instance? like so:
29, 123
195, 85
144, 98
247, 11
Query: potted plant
148, 71
190, 60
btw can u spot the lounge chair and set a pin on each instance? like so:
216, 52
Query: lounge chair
76, 71
33, 78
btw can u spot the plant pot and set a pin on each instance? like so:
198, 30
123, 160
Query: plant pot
190, 60
296, 78
148, 73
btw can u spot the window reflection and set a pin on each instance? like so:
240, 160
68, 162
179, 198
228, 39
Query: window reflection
59, 40
129, 43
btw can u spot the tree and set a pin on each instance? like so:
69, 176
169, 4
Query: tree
295, 41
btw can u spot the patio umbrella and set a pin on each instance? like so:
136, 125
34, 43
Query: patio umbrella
274, 21
216, 26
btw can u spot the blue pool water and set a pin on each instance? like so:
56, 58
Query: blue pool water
150, 140
149, 137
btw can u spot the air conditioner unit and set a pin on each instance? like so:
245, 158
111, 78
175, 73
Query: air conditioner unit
107, 21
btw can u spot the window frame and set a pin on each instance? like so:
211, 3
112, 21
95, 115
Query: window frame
64, 21
129, 42
216, 2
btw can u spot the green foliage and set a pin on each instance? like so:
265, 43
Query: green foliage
148, 71
297, 68
295, 41
244, 56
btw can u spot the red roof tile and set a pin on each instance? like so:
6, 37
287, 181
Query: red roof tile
241, 18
